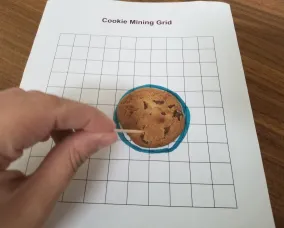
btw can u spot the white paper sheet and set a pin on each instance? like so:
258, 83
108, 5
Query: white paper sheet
215, 178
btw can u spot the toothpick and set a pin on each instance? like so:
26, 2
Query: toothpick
131, 131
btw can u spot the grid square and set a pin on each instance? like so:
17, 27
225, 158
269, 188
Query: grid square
63, 52
159, 43
180, 153
214, 116
197, 116
102, 153
118, 95
158, 56
128, 43
212, 99
66, 39
41, 148
181, 94
138, 171
197, 133
159, 157
158, 69
125, 82
143, 43
193, 84
200, 173
206, 42
108, 82
89, 96
221, 173
126, 68
198, 152
224, 196
79, 53
72, 94
74, 80
217, 133
95, 192
98, 169
106, 97
190, 43
210, 83
57, 79
94, 67
77, 66
75, 191
127, 55
209, 69
175, 69
219, 152
139, 81
138, 155
111, 55
56, 91
119, 150
81, 173
82, 40
191, 69
191, 56
33, 164
137, 193
97, 41
143, 56
159, 171
60, 65
107, 110
207, 56
96, 54
174, 56
194, 99
159, 194
181, 195
174, 43
176, 83
202, 195
110, 68
91, 81
179, 172
116, 192
142, 69
118, 170
113, 42
162, 81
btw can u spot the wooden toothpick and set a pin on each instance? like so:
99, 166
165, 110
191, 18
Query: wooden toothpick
131, 131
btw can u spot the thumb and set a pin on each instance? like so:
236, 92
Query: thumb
53, 175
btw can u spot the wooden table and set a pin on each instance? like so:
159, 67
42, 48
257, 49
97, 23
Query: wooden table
260, 29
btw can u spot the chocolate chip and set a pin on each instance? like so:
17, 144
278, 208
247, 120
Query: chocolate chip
166, 130
145, 105
177, 114
170, 106
163, 113
159, 102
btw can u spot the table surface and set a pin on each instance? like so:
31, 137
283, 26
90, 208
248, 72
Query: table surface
260, 30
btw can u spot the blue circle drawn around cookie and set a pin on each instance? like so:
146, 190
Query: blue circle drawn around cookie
186, 113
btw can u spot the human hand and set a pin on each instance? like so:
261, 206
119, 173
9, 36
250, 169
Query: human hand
27, 118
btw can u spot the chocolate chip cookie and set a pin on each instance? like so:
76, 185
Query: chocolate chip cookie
156, 112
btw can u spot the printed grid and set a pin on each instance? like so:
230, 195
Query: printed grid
98, 70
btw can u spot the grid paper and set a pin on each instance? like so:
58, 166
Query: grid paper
98, 70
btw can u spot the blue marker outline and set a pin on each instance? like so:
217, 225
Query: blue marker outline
186, 113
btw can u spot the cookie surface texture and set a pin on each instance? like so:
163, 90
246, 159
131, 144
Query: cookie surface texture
155, 111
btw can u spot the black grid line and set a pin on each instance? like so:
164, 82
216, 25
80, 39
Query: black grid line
206, 125
115, 99
226, 127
